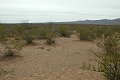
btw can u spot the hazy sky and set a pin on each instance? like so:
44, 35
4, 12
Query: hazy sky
58, 10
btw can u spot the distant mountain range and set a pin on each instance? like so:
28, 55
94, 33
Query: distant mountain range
100, 22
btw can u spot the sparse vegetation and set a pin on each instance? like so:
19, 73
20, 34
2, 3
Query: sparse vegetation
110, 59
28, 38
9, 53
11, 49
42, 33
12, 37
10, 45
50, 39
88, 36
64, 32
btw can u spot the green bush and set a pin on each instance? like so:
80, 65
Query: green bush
110, 60
41, 33
50, 39
87, 35
64, 32
29, 39
9, 53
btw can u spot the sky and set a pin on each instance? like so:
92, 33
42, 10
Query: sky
57, 10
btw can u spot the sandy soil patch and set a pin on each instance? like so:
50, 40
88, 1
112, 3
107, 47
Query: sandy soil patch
62, 61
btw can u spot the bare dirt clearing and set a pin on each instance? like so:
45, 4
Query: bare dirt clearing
62, 61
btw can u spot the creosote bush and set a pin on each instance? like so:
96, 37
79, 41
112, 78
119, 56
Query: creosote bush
64, 32
28, 38
50, 39
87, 35
110, 59
41, 33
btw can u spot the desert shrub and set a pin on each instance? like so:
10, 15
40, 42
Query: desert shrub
87, 35
108, 32
110, 59
19, 30
64, 32
10, 46
100, 31
9, 53
9, 43
50, 39
104, 30
28, 38
41, 33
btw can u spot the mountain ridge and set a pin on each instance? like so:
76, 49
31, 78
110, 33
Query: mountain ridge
99, 22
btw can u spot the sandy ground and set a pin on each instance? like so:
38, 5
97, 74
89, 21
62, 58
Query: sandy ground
62, 61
